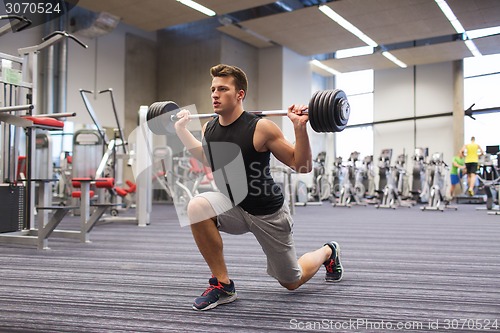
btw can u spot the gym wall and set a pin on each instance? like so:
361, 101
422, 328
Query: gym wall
414, 91
11, 42
103, 66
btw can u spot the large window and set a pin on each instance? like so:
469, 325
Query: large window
359, 89
481, 87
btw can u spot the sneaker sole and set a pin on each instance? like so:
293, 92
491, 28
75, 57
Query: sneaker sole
226, 300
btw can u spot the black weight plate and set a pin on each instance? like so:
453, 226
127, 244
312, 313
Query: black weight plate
151, 115
169, 109
333, 117
156, 122
330, 110
318, 119
322, 112
311, 110
159, 117
341, 117
318, 113
326, 111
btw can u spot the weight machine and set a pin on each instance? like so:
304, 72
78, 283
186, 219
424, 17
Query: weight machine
111, 163
20, 120
17, 23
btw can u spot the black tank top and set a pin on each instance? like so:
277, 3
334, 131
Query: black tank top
264, 195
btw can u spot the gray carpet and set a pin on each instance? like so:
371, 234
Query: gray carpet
403, 269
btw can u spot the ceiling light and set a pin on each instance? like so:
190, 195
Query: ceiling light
457, 26
354, 52
478, 33
472, 48
330, 70
395, 60
198, 7
347, 25
443, 5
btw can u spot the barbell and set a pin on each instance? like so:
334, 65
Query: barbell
328, 111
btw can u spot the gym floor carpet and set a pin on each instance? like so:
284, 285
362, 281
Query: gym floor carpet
418, 271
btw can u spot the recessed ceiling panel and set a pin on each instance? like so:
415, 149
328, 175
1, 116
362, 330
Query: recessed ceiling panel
151, 15
306, 31
488, 45
371, 61
433, 53
476, 14
244, 36
394, 21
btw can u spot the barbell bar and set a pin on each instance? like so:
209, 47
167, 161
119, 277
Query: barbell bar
328, 111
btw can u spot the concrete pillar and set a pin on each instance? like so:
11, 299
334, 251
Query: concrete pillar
458, 105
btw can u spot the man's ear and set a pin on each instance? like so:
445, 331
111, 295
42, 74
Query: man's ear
241, 95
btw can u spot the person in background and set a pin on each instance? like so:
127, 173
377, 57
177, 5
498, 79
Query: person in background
456, 172
472, 151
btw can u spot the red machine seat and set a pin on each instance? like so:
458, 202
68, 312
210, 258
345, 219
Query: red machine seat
78, 194
46, 121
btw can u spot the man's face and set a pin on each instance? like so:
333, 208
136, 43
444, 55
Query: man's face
225, 98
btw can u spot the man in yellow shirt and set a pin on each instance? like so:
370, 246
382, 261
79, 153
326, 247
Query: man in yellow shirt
472, 151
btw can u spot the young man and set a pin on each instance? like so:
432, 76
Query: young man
263, 211
472, 151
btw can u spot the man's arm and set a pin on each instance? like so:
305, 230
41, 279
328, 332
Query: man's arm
481, 150
188, 139
298, 156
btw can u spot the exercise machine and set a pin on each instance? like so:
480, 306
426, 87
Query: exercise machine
389, 196
336, 178
489, 178
350, 194
17, 23
321, 189
20, 119
439, 172
111, 163
419, 185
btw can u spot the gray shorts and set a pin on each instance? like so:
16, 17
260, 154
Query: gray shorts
273, 232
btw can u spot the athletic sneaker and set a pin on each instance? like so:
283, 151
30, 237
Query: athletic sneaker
217, 293
471, 192
334, 269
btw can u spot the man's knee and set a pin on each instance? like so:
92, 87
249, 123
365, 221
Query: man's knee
199, 209
291, 285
